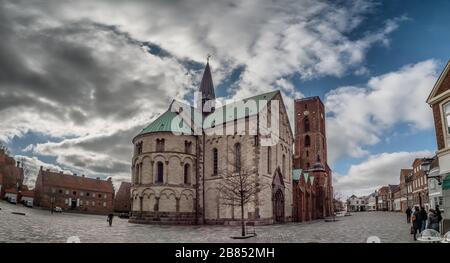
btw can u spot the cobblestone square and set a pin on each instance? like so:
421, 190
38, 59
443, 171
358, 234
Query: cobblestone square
40, 226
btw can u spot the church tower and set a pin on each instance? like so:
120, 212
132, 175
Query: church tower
207, 94
310, 135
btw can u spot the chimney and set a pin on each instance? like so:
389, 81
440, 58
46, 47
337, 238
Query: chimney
82, 175
74, 174
18, 164
42, 167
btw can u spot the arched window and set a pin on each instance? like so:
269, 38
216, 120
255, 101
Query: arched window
307, 141
215, 162
136, 176
160, 172
269, 160
237, 157
307, 125
283, 166
187, 174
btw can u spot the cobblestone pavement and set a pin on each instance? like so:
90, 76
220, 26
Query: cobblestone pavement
40, 226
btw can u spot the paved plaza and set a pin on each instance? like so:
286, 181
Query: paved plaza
40, 226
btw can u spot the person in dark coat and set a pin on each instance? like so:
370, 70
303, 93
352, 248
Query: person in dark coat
416, 222
438, 213
423, 218
110, 219
408, 215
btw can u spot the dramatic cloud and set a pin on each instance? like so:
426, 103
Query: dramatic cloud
361, 116
93, 73
376, 171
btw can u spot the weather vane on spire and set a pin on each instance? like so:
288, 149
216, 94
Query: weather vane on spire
208, 56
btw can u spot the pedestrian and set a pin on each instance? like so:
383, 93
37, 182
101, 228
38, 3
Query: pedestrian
408, 215
433, 222
416, 222
424, 218
110, 219
438, 213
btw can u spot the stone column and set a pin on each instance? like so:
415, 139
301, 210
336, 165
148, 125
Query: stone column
166, 173
177, 199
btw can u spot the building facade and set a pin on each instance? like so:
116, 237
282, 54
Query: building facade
122, 199
419, 183
403, 186
383, 199
11, 175
356, 204
178, 171
73, 193
310, 159
439, 101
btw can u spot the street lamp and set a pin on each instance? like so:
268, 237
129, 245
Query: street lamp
425, 167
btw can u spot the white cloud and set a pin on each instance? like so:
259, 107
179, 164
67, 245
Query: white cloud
376, 171
74, 70
361, 116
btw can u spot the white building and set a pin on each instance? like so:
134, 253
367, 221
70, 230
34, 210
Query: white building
356, 204
371, 203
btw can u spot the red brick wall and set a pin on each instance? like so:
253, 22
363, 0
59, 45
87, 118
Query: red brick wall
438, 126
317, 134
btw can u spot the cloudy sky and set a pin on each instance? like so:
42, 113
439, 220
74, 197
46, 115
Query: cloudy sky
78, 79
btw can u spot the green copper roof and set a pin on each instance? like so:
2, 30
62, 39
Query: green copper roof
241, 112
164, 124
296, 173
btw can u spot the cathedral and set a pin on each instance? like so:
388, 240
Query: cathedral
184, 159
180, 168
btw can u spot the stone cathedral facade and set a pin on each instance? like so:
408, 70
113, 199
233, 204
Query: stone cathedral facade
177, 173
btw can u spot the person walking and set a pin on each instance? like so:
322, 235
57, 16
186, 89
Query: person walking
433, 222
416, 222
438, 214
424, 218
408, 215
110, 219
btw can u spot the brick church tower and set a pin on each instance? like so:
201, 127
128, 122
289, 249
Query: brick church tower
310, 133
311, 151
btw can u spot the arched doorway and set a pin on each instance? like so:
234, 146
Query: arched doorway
278, 197
279, 206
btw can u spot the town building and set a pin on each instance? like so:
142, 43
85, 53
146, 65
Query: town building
397, 203
122, 199
391, 197
313, 192
403, 186
383, 199
179, 171
11, 175
419, 185
73, 193
434, 186
356, 204
439, 100
371, 202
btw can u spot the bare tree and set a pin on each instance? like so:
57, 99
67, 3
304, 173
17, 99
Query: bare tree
27, 170
239, 185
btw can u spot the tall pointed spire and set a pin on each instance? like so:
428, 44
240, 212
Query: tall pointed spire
207, 89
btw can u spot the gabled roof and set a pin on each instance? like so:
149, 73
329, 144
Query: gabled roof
434, 92
228, 116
